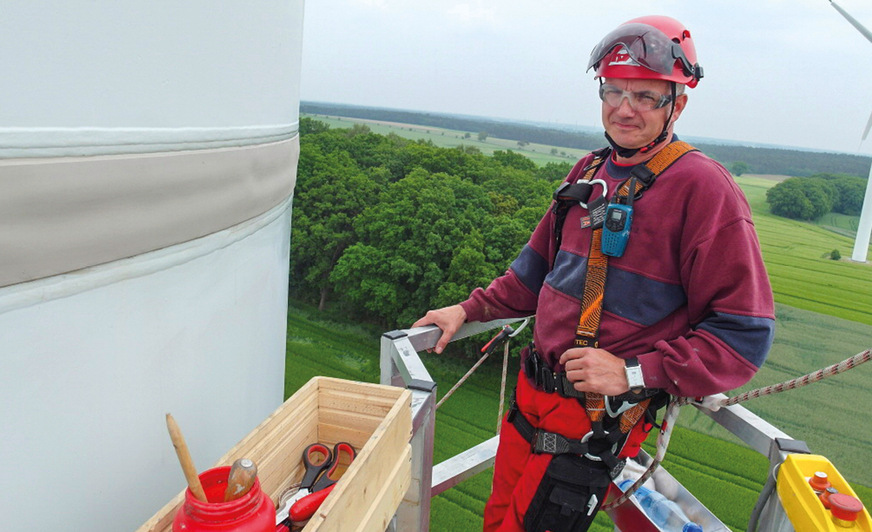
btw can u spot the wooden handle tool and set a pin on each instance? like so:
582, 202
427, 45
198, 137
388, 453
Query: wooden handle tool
185, 459
241, 478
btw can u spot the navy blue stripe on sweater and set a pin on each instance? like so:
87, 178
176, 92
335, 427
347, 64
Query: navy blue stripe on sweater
640, 299
530, 268
631, 296
750, 336
568, 273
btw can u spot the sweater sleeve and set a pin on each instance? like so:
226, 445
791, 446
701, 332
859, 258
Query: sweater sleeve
729, 302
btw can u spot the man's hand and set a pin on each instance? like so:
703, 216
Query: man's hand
449, 319
595, 370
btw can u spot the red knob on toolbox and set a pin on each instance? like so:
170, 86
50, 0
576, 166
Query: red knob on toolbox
819, 482
845, 507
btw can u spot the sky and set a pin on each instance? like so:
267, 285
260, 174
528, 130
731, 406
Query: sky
784, 72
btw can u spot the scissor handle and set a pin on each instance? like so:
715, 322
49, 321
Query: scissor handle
316, 458
331, 476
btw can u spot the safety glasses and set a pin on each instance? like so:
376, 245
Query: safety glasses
639, 100
646, 45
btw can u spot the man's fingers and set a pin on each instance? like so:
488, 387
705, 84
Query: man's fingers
449, 319
447, 334
421, 322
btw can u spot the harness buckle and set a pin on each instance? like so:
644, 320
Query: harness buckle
531, 367
596, 458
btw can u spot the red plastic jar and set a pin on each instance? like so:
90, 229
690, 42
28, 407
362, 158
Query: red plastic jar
253, 512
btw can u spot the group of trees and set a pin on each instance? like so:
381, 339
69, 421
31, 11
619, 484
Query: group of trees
807, 198
387, 228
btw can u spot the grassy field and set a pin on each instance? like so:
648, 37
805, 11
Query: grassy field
450, 138
839, 223
797, 258
724, 475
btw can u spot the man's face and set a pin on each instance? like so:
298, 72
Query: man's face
630, 128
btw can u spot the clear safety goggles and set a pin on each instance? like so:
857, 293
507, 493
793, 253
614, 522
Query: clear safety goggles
646, 45
639, 100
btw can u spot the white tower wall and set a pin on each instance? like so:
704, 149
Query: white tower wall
148, 157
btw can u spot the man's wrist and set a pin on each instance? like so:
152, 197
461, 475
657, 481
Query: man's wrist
633, 371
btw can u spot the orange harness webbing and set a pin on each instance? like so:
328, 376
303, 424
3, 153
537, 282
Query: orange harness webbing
587, 332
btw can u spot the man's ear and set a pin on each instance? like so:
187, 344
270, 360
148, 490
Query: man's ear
680, 103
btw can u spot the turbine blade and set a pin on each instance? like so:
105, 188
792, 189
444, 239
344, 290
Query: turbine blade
868, 127
854, 22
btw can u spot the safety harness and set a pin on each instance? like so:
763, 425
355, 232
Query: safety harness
622, 412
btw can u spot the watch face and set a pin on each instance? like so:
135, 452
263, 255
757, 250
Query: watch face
634, 376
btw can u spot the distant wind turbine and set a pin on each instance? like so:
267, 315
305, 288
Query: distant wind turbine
861, 243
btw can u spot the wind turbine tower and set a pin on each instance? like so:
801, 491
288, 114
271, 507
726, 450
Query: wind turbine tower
861, 243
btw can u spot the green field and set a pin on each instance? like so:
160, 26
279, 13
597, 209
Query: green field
797, 258
450, 138
839, 223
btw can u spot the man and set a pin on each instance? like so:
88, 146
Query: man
685, 306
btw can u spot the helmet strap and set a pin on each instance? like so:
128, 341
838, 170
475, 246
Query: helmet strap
629, 152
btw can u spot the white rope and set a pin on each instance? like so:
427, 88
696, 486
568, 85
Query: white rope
503, 386
668, 422
462, 379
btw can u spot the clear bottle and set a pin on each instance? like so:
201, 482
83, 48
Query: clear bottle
663, 512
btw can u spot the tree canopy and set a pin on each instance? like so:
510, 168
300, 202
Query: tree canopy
388, 228
807, 198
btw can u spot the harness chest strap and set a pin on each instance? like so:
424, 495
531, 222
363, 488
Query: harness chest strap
587, 331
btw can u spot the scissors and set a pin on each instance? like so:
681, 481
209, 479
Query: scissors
322, 472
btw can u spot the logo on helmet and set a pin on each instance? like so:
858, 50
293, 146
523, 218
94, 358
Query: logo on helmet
622, 57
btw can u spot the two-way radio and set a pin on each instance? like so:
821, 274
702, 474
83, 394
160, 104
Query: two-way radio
616, 226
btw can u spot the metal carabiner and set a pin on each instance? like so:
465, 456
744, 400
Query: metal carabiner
623, 407
599, 182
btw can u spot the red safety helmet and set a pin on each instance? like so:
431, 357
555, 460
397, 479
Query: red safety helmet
652, 47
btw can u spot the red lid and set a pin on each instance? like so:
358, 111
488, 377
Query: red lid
819, 481
845, 507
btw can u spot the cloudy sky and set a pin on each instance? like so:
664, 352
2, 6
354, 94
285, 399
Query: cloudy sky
785, 72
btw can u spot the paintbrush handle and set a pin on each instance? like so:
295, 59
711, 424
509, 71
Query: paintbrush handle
241, 478
185, 459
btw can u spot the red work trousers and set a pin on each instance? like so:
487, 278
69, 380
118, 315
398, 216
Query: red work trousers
518, 471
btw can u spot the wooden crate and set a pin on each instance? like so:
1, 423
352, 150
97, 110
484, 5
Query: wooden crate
375, 419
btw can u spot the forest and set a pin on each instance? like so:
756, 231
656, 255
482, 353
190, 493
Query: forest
758, 160
387, 228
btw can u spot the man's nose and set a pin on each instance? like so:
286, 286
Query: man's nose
624, 105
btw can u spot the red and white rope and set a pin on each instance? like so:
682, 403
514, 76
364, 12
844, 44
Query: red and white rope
792, 384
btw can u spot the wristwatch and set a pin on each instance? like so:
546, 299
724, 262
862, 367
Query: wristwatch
634, 375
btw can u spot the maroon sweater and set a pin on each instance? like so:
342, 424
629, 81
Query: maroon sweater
690, 296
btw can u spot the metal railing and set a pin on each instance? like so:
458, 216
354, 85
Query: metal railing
401, 366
